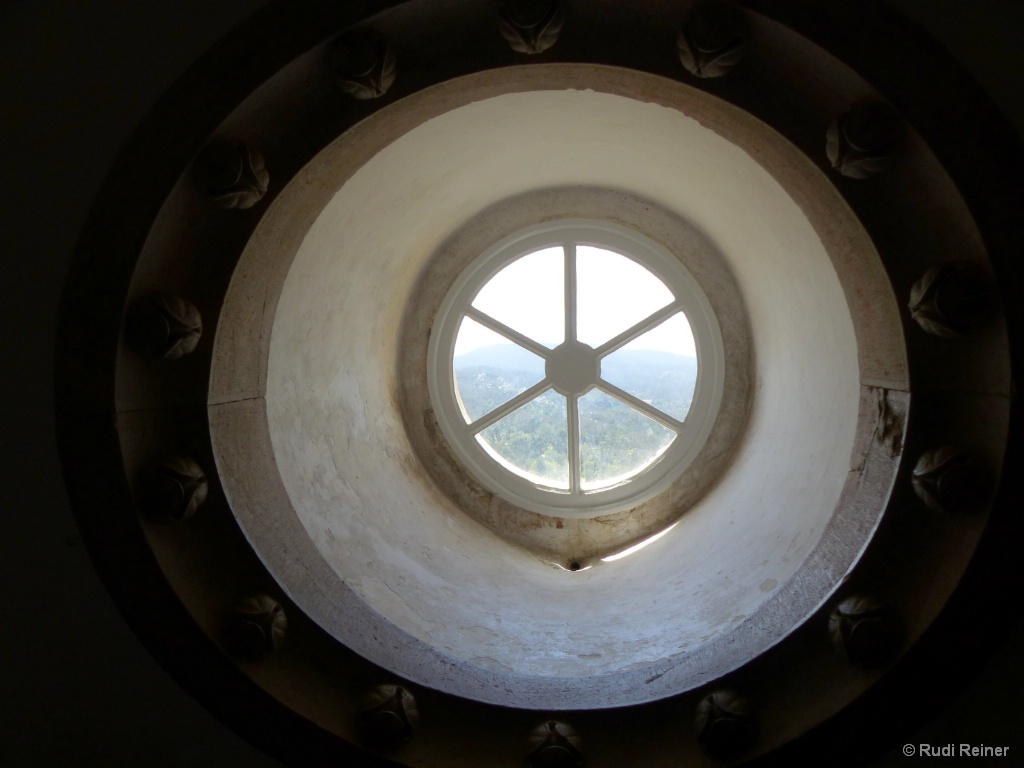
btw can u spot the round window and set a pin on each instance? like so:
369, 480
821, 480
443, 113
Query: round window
575, 368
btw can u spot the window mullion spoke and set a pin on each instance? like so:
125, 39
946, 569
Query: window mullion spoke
639, 329
570, 292
506, 408
512, 335
662, 418
573, 413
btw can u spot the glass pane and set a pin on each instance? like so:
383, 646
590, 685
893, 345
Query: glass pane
532, 441
528, 296
616, 441
613, 294
490, 369
659, 367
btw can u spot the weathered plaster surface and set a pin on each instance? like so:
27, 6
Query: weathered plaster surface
686, 608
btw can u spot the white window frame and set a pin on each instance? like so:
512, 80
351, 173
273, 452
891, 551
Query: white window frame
691, 432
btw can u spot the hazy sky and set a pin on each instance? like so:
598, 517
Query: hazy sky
613, 294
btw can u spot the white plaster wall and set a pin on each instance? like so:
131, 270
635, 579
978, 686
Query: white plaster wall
406, 550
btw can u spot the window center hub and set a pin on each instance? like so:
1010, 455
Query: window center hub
573, 368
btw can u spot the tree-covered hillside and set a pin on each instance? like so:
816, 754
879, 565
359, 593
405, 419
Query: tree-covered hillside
614, 438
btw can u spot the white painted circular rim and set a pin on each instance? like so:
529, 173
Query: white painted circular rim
369, 583
696, 427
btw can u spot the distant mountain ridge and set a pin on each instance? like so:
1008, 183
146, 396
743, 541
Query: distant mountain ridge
511, 358
504, 357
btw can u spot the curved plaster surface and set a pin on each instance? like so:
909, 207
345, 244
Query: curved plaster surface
423, 566
596, 533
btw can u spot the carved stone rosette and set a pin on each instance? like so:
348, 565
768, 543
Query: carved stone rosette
364, 64
531, 26
554, 744
387, 717
951, 481
864, 631
952, 299
255, 628
864, 141
232, 174
172, 489
711, 41
165, 326
725, 724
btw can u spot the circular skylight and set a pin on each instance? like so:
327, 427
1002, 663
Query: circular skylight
576, 368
